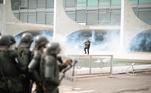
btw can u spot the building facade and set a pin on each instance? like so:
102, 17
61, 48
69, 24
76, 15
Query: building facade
85, 19
86, 12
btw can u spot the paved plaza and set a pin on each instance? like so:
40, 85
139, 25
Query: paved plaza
119, 83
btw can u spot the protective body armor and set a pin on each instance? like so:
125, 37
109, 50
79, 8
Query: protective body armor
10, 72
50, 69
24, 57
50, 73
9, 64
34, 65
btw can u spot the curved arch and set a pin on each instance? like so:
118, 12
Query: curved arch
35, 32
18, 28
46, 33
141, 42
130, 24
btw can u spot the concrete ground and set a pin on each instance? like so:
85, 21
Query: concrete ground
120, 83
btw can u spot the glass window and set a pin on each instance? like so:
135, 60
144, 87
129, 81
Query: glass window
69, 3
49, 18
81, 3
145, 1
32, 17
1, 1
16, 15
15, 4
104, 3
115, 17
81, 16
92, 3
104, 17
92, 17
135, 2
41, 17
23, 4
50, 3
41, 3
71, 14
116, 2
32, 4
145, 15
23, 16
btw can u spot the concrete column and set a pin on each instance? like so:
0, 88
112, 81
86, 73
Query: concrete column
2, 18
130, 24
9, 15
63, 25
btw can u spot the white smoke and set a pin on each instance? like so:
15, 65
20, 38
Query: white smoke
100, 41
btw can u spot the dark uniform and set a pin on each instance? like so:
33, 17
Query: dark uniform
24, 57
87, 46
50, 68
34, 65
10, 73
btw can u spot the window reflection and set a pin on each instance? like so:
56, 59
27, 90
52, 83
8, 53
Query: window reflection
104, 11
81, 3
81, 16
70, 3
92, 3
104, 3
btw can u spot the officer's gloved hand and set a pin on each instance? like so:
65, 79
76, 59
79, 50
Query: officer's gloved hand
67, 62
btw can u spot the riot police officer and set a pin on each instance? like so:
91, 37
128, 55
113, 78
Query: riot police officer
23, 50
50, 68
34, 66
10, 73
24, 57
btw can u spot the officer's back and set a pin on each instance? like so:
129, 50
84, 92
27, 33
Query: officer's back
8, 63
9, 67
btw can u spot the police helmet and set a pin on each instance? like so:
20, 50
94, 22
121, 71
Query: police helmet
53, 48
7, 40
26, 38
40, 40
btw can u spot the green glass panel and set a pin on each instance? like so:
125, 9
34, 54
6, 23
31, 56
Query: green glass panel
50, 3
145, 1
135, 2
145, 15
92, 17
15, 4
115, 18
1, 1
92, 3
69, 3
81, 16
116, 2
104, 17
104, 3
81, 3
